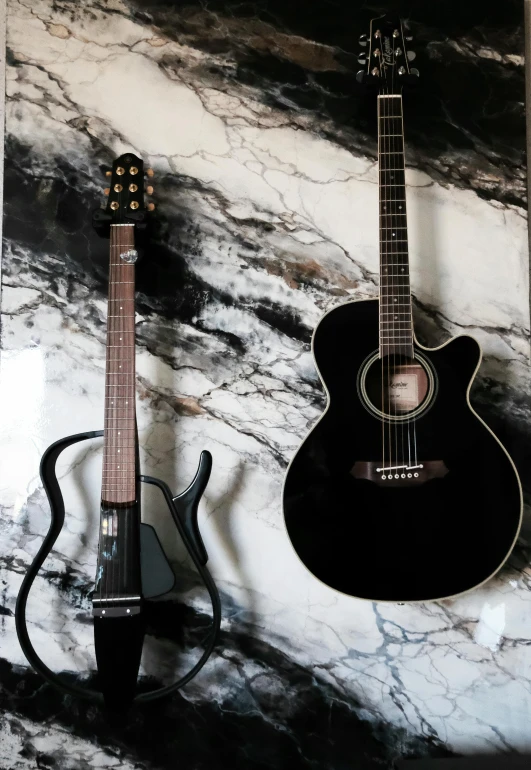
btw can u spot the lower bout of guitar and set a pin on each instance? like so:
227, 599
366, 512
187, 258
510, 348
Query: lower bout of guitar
398, 509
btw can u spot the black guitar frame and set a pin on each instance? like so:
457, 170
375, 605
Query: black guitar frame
157, 575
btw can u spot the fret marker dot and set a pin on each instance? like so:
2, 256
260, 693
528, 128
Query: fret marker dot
396, 300
118, 450
394, 235
400, 207
117, 466
396, 318
121, 338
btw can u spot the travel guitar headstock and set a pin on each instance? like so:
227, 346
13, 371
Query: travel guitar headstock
386, 56
126, 193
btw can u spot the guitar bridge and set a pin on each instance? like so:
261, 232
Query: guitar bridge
399, 475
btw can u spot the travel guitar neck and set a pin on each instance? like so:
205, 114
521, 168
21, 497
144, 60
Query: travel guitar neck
396, 327
119, 454
118, 583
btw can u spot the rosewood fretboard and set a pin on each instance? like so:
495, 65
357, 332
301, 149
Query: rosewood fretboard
396, 329
119, 454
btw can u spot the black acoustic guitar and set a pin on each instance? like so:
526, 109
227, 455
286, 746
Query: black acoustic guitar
400, 492
132, 568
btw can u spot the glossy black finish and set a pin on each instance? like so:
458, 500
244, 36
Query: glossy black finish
119, 579
426, 542
118, 643
118, 640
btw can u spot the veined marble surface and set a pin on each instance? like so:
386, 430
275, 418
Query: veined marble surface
266, 193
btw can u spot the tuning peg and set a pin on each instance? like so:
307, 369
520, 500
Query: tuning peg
149, 189
362, 59
414, 71
108, 173
107, 191
151, 207
360, 75
363, 39
411, 55
150, 172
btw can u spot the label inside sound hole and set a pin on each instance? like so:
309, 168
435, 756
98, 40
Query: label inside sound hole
403, 389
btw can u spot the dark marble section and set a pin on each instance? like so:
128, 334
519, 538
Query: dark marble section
465, 123
264, 711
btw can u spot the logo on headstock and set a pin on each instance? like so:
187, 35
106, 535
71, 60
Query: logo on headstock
388, 52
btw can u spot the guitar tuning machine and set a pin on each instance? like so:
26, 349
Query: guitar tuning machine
150, 172
363, 39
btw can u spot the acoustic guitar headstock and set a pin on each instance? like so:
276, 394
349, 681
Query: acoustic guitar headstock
126, 195
386, 56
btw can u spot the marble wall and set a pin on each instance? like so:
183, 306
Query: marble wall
266, 193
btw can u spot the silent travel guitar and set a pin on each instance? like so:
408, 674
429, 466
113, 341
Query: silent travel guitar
400, 492
131, 565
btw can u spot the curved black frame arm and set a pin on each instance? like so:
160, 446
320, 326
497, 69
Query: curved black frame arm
183, 509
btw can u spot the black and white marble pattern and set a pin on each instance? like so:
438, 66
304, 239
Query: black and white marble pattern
266, 190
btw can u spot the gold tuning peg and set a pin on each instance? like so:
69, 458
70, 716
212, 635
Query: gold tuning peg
107, 191
108, 173
151, 207
150, 172
149, 189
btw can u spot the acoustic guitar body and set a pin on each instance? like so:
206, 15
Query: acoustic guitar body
439, 524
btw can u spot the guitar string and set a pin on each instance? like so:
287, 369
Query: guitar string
389, 279
382, 292
395, 251
395, 221
387, 285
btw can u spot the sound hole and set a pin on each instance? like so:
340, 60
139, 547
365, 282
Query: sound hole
396, 386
